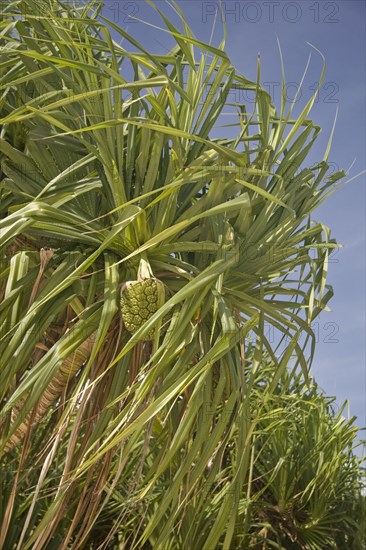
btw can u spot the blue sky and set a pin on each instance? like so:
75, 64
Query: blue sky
337, 29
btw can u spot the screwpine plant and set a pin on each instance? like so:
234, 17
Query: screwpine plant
136, 375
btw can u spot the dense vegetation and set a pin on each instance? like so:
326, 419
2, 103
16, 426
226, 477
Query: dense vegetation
196, 431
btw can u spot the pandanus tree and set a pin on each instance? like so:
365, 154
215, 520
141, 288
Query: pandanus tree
142, 259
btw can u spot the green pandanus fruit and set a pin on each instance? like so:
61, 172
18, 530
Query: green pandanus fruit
140, 299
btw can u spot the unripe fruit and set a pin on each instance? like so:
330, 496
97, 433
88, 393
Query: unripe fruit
139, 301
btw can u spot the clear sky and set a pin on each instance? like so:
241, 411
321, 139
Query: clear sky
337, 29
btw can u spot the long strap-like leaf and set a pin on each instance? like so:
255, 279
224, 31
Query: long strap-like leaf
67, 371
